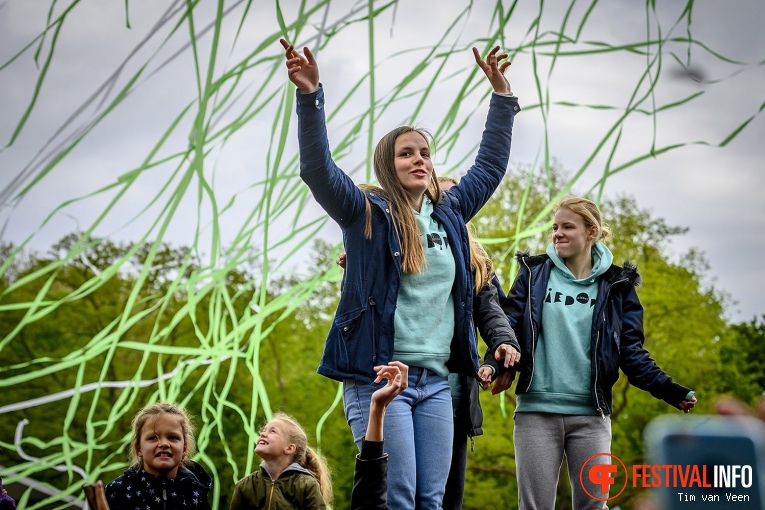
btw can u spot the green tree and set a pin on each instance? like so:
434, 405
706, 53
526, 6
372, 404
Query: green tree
742, 360
170, 313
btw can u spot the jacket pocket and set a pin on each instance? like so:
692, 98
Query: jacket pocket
351, 328
611, 359
617, 341
348, 323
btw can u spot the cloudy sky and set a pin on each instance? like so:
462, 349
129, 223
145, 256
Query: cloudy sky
50, 185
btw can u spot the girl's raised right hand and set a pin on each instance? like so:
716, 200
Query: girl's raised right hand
397, 376
303, 71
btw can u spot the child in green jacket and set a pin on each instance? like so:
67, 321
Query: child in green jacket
291, 475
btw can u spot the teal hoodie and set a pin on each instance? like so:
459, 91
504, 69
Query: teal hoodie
424, 320
562, 363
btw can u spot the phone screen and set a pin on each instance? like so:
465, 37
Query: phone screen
708, 462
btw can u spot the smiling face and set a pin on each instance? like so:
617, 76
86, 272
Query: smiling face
571, 238
413, 165
161, 445
274, 441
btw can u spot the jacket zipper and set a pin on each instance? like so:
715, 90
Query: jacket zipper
271, 495
595, 387
597, 342
373, 309
164, 495
531, 323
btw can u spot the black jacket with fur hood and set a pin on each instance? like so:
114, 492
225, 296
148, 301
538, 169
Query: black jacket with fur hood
617, 332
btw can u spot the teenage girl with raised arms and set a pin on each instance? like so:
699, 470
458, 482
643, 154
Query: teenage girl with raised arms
408, 291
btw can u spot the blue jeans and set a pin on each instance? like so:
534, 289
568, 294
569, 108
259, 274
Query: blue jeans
418, 437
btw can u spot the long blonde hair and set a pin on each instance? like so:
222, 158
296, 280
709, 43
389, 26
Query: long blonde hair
404, 221
306, 456
480, 263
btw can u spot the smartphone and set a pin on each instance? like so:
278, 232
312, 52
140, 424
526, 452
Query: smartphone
90, 495
705, 461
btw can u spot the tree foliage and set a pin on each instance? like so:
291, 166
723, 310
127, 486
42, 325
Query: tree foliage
684, 322
53, 350
742, 360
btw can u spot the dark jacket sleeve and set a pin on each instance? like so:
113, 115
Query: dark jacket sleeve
370, 478
477, 186
635, 361
491, 320
331, 187
312, 498
237, 499
514, 304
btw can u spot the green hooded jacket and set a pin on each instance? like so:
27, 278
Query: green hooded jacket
295, 488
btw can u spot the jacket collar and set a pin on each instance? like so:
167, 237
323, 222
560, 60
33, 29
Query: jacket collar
292, 468
189, 471
614, 273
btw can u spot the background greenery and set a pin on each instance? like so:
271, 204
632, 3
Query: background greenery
686, 333
93, 328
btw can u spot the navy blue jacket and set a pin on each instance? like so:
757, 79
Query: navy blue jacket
138, 489
617, 332
361, 335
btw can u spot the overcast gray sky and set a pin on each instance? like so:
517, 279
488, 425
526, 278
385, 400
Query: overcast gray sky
715, 192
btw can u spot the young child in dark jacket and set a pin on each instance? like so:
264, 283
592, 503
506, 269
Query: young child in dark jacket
291, 475
162, 476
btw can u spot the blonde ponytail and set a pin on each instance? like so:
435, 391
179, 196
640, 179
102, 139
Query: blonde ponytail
316, 464
306, 456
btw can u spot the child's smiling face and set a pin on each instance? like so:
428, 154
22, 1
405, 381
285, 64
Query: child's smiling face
274, 441
162, 445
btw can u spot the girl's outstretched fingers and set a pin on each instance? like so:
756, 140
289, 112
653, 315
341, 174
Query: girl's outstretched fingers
494, 69
301, 70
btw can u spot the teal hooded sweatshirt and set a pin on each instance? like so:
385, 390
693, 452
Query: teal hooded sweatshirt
562, 366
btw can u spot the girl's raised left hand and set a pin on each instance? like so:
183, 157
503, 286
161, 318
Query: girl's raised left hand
494, 69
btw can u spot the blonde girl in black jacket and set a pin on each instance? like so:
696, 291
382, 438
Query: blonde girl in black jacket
579, 321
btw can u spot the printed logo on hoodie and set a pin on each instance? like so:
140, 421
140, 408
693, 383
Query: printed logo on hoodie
558, 297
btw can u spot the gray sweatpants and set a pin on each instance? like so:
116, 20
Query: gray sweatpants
541, 440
